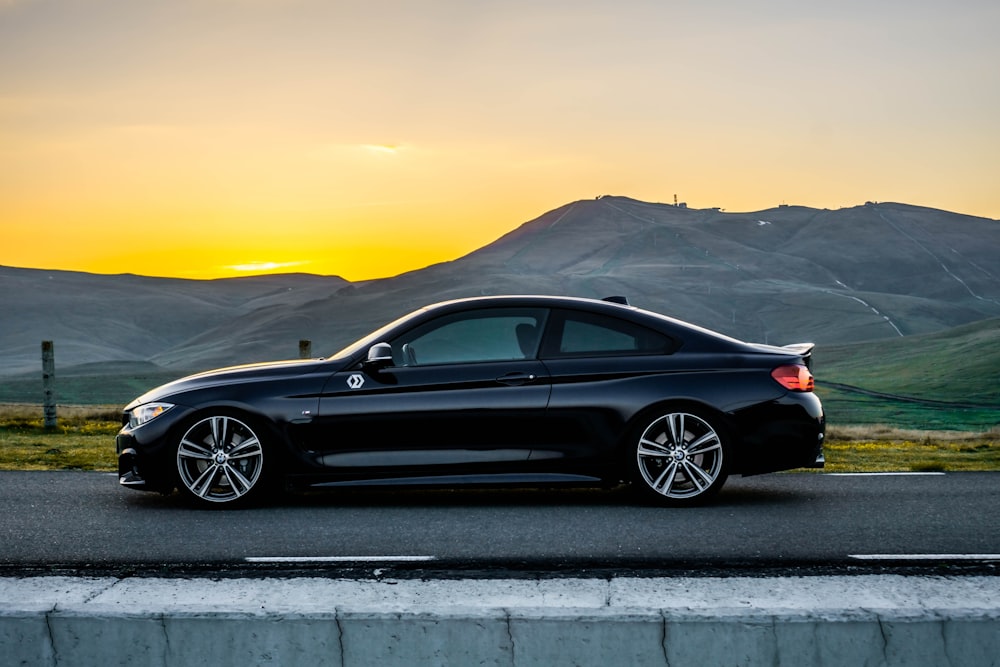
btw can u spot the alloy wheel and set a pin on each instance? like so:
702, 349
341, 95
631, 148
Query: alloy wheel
681, 457
220, 459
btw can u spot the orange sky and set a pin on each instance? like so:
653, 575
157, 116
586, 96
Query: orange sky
207, 138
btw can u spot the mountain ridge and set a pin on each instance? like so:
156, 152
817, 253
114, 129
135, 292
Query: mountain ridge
781, 275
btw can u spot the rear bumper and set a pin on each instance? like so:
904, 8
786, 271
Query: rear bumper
784, 434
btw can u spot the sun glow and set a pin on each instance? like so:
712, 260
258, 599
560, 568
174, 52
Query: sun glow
263, 267
382, 149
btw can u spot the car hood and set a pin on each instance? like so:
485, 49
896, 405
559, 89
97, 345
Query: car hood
236, 374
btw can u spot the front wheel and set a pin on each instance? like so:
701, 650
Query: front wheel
680, 458
220, 461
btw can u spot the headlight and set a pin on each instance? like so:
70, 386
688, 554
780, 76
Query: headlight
146, 412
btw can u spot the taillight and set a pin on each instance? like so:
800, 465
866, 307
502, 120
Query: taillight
794, 378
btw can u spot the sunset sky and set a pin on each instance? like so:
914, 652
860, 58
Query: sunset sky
212, 138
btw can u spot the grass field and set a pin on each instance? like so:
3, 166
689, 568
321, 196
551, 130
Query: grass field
941, 381
84, 440
853, 407
886, 449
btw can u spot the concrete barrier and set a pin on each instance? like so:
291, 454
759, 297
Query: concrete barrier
864, 620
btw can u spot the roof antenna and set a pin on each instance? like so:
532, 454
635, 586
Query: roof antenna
623, 300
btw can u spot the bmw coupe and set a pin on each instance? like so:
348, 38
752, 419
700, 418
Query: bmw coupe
512, 390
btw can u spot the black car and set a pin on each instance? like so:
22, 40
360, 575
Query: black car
512, 390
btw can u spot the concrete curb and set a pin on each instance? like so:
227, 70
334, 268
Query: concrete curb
866, 620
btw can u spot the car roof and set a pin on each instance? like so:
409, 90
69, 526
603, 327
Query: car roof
694, 336
526, 300
615, 308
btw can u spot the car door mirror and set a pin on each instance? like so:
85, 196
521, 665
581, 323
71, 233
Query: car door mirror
379, 355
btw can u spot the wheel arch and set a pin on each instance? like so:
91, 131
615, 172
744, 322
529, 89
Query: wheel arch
635, 422
236, 410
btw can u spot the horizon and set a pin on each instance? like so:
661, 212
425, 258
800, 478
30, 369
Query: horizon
250, 272
280, 271
226, 138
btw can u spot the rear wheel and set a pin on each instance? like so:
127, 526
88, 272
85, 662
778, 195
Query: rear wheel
680, 458
220, 461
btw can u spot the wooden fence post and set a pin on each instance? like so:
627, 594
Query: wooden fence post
305, 349
49, 384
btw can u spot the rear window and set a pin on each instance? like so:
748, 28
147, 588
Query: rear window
579, 334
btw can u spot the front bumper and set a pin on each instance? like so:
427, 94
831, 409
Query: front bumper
128, 469
130, 466
146, 459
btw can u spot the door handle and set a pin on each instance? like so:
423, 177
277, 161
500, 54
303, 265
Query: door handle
516, 379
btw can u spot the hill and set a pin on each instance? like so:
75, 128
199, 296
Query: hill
93, 318
876, 272
945, 380
782, 275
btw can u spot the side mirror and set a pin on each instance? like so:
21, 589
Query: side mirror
379, 355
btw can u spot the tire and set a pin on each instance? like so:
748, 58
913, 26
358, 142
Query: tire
221, 461
679, 457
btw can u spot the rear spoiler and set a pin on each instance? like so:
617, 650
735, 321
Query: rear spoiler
804, 350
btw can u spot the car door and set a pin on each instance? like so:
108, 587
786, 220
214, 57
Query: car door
463, 395
601, 368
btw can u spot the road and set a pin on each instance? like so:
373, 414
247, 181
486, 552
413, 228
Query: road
81, 521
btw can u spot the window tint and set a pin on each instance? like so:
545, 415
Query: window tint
587, 334
483, 335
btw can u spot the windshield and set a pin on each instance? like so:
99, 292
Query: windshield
376, 336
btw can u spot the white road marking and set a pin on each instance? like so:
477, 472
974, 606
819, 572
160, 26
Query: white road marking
880, 474
925, 556
338, 559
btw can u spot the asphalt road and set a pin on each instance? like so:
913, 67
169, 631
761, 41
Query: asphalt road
75, 521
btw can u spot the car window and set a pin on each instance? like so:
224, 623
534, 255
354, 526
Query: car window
589, 334
475, 336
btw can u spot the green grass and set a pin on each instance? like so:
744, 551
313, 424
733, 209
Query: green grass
844, 407
958, 366
82, 440
884, 449
941, 381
